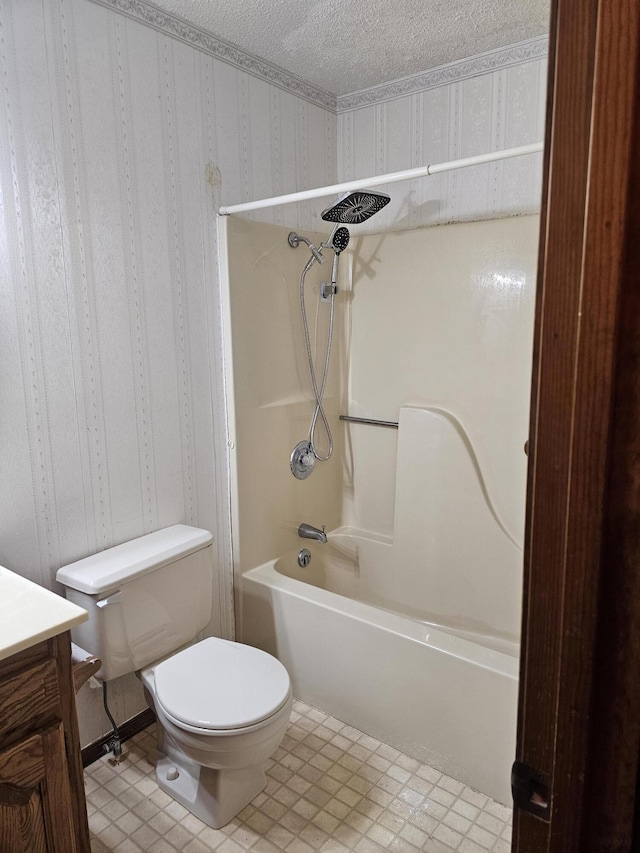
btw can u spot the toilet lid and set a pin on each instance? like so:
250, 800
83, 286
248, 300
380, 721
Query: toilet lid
218, 684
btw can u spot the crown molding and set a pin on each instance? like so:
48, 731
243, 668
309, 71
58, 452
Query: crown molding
452, 72
147, 13
172, 25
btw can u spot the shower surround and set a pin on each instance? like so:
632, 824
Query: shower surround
406, 623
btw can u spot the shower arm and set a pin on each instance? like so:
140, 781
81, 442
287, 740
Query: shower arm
295, 239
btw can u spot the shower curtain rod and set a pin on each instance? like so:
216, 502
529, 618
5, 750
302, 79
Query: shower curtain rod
379, 180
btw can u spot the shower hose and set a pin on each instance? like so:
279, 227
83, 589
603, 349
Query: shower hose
319, 392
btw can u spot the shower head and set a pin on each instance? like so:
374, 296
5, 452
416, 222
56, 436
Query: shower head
339, 240
355, 207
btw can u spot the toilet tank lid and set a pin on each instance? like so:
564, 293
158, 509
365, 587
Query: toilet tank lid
109, 569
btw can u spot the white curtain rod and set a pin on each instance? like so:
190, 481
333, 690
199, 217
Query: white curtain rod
379, 180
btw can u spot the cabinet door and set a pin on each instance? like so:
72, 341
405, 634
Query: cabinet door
35, 797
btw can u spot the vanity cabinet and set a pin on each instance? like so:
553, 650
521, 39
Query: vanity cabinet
42, 801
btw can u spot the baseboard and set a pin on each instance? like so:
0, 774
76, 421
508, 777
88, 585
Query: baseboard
127, 730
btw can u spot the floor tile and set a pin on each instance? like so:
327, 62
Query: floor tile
330, 789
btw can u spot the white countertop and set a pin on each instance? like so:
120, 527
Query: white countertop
29, 613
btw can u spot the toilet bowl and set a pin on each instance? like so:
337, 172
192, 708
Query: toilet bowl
222, 708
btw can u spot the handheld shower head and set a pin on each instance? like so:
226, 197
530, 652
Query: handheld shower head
355, 207
339, 240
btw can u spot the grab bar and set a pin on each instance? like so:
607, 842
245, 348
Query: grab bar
372, 421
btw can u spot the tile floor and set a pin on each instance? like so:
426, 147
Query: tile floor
331, 789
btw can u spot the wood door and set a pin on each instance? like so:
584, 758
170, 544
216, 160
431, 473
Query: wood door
579, 710
35, 796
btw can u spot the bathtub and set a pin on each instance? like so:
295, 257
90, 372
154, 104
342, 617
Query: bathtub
446, 697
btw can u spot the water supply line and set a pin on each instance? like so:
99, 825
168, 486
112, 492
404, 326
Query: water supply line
114, 744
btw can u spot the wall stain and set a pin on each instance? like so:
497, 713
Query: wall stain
213, 177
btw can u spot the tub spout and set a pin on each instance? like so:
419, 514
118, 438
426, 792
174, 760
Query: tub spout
308, 531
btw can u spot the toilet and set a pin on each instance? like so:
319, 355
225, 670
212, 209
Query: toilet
222, 707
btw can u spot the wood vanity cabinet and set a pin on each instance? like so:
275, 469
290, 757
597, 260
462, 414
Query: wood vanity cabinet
42, 801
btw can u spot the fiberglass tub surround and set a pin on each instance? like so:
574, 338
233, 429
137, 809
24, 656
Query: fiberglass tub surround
415, 598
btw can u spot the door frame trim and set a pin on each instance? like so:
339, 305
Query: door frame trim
579, 699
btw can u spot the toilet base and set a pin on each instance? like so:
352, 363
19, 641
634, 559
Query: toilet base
214, 796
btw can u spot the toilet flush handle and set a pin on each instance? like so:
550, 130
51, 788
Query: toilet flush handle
110, 599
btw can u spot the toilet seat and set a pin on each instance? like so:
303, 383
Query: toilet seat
221, 686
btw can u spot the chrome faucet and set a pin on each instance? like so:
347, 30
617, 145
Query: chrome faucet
308, 531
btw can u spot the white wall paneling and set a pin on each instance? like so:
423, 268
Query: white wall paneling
441, 117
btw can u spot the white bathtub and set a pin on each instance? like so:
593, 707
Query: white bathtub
447, 699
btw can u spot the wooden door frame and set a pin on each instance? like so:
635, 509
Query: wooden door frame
579, 709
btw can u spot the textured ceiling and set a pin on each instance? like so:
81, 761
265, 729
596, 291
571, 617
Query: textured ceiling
343, 46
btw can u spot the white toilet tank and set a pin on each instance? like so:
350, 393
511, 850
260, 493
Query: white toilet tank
145, 598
